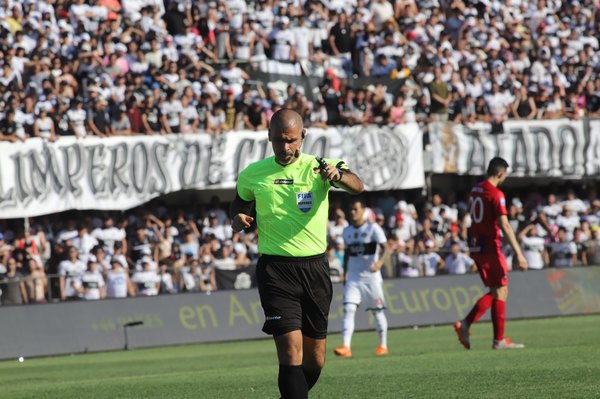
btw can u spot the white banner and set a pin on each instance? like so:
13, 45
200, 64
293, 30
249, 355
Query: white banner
119, 173
548, 148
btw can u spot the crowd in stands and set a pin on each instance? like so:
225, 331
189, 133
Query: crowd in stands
155, 249
110, 67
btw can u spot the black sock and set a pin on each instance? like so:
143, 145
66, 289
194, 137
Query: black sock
311, 376
292, 384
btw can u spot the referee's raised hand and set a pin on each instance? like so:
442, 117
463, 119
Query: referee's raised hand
241, 221
329, 172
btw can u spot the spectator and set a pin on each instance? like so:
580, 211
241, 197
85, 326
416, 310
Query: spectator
12, 285
583, 247
563, 252
43, 126
336, 270
152, 117
92, 283
534, 248
189, 116
303, 38
381, 11
37, 283
430, 262
282, 41
595, 246
573, 108
71, 271
191, 242
216, 121
146, 281
458, 262
396, 116
232, 110
98, 119
455, 236
139, 245
207, 276
255, 117
337, 226
118, 284
214, 228
77, 117
84, 242
166, 280
234, 76
524, 106
121, 126
171, 113
482, 111
407, 267
60, 119
498, 103
244, 42
555, 108
319, 117
568, 220
383, 66
440, 96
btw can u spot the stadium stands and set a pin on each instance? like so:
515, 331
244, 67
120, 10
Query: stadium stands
188, 65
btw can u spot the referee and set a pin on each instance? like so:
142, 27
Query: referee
290, 194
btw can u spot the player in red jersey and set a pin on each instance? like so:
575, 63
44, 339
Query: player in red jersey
488, 217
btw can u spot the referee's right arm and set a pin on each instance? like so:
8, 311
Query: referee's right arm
240, 212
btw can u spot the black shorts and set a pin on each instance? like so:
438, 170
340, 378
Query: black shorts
295, 294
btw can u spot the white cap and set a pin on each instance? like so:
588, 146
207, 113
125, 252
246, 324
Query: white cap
121, 47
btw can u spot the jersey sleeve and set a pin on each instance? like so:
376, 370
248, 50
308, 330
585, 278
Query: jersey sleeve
380, 237
500, 204
244, 188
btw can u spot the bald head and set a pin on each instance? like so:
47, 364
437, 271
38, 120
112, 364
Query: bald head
285, 120
286, 133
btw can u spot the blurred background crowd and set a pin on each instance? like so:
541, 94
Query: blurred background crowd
111, 67
156, 249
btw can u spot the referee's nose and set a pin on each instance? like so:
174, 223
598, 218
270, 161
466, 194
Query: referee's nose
288, 148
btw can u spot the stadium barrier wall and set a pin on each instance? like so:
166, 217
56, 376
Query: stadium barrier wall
78, 327
118, 173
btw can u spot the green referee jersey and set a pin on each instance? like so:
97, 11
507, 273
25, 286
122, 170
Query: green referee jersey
291, 205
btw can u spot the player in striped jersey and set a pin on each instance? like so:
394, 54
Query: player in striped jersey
365, 242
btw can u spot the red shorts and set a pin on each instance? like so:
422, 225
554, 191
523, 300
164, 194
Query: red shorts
492, 268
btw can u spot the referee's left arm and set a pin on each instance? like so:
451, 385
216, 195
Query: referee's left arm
350, 182
341, 177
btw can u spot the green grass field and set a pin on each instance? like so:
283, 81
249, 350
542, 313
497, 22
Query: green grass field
562, 360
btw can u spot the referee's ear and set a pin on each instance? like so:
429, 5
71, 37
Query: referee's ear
303, 133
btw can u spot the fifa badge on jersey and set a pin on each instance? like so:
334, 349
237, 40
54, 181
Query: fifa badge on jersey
304, 201
502, 201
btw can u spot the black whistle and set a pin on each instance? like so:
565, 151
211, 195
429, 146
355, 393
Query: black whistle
321, 161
